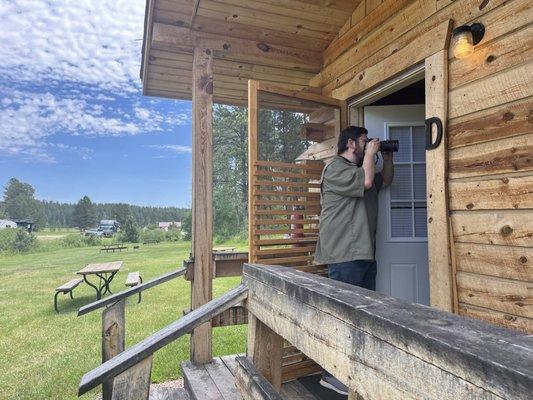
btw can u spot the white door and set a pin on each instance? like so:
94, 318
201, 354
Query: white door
401, 243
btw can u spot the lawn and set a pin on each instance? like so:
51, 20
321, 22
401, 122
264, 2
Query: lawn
44, 354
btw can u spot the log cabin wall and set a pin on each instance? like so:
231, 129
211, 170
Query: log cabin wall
489, 138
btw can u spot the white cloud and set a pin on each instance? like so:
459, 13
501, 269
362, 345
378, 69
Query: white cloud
174, 148
91, 42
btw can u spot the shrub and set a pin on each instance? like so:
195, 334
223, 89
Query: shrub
16, 240
130, 231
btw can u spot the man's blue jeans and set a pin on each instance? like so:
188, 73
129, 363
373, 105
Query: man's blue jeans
358, 272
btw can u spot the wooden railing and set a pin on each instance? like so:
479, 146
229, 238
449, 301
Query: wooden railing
127, 374
380, 347
114, 320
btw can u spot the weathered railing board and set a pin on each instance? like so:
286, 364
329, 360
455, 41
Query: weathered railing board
472, 357
148, 346
130, 292
113, 338
134, 383
250, 382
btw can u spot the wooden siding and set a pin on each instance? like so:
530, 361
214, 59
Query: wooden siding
490, 141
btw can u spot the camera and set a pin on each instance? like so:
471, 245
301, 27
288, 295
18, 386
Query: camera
387, 146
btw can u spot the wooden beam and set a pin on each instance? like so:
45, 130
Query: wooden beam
134, 383
385, 348
202, 205
415, 52
265, 349
171, 37
251, 384
440, 267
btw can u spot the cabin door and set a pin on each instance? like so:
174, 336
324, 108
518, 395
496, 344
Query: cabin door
402, 252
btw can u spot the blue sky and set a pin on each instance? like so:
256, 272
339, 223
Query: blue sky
73, 121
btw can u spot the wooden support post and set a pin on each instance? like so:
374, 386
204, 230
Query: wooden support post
202, 202
440, 266
253, 154
113, 338
134, 383
265, 349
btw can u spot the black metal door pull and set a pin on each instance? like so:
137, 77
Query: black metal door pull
438, 123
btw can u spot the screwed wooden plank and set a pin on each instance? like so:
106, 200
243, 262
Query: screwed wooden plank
113, 338
223, 379
502, 319
134, 383
439, 257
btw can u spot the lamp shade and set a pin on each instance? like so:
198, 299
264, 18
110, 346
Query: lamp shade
462, 42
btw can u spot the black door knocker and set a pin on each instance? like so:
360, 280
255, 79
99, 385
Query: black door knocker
438, 123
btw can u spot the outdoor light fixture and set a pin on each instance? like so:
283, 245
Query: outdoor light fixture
465, 37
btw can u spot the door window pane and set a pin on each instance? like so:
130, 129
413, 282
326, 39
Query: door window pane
408, 210
419, 181
401, 184
419, 143
421, 227
403, 135
402, 220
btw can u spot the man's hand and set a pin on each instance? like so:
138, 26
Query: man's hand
372, 147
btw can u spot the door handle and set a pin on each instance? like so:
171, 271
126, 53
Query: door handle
438, 123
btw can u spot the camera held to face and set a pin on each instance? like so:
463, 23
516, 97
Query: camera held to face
387, 146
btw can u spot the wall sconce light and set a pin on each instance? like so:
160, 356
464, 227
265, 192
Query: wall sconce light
465, 37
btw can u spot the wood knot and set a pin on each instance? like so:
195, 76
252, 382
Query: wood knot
469, 206
361, 76
263, 47
209, 88
430, 220
506, 230
208, 52
483, 4
433, 78
226, 46
509, 318
505, 180
235, 16
151, 58
470, 295
490, 58
299, 26
523, 259
507, 116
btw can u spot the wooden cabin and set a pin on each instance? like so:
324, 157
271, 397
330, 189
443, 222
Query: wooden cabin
456, 229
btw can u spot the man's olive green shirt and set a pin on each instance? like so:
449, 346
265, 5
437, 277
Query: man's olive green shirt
347, 225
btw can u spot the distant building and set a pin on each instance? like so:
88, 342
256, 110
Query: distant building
6, 223
166, 225
27, 224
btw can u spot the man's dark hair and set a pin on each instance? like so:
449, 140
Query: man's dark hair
351, 132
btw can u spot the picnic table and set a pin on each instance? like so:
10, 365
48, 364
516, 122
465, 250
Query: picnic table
105, 272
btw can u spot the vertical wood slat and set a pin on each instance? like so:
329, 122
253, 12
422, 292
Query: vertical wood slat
113, 338
134, 383
202, 204
253, 151
440, 266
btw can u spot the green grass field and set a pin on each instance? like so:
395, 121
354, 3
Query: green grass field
44, 354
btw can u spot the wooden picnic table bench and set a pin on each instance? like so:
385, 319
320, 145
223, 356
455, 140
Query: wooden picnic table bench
151, 241
66, 288
113, 247
134, 279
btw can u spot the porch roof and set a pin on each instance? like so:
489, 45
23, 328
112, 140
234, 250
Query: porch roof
278, 41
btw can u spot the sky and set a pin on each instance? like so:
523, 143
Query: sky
73, 121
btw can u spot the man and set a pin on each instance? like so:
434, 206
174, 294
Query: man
349, 199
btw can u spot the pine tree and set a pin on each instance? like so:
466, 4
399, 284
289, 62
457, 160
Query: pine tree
84, 213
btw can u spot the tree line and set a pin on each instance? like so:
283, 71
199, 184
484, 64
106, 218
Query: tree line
20, 203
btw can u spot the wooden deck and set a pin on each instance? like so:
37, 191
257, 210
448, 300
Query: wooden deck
215, 381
